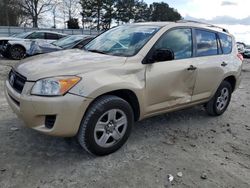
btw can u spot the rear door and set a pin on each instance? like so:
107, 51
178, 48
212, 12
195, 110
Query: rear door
210, 63
171, 83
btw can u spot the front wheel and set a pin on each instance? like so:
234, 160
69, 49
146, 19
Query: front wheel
17, 52
220, 101
106, 125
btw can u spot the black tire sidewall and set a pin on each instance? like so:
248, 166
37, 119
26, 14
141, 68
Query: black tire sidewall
91, 144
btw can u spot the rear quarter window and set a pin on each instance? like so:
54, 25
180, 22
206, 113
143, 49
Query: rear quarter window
226, 43
52, 36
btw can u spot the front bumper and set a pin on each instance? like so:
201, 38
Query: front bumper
33, 110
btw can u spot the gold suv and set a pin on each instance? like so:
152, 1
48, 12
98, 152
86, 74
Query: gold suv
126, 74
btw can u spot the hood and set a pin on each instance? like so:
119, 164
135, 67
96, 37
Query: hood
66, 62
9, 38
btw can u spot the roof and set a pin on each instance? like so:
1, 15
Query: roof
47, 31
189, 23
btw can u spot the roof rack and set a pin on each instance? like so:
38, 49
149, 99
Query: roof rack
209, 25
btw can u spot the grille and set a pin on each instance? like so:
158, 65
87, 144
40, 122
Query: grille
17, 81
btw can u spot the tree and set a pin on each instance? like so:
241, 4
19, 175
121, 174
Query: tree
92, 11
73, 23
87, 16
124, 10
10, 14
71, 7
141, 11
162, 12
109, 13
34, 8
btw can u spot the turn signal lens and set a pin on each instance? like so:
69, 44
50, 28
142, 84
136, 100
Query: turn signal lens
67, 84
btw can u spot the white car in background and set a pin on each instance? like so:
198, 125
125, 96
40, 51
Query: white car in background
241, 48
20, 42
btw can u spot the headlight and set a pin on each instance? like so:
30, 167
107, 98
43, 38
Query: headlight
54, 86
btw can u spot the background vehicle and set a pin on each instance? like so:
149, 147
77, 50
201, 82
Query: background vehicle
24, 38
241, 48
69, 42
126, 74
246, 53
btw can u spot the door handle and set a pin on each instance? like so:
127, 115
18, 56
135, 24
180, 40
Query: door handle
191, 68
223, 64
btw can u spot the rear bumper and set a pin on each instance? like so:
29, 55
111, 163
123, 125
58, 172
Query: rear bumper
68, 110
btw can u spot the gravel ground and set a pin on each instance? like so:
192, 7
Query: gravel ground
209, 151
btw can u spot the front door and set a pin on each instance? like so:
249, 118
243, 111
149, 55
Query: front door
171, 83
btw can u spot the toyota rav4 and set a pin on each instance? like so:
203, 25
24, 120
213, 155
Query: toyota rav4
126, 74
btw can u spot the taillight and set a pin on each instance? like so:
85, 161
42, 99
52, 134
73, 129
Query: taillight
240, 56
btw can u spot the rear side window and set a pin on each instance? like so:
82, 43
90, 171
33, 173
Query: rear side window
206, 43
52, 36
61, 36
178, 40
226, 43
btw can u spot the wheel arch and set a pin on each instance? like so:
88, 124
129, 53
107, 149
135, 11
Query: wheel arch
127, 95
19, 45
232, 80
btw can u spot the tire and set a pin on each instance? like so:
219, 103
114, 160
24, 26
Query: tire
5, 54
17, 52
220, 101
115, 119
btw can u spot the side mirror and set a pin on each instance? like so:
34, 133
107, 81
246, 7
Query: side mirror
163, 55
160, 55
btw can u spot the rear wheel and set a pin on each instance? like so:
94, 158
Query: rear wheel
106, 125
220, 101
17, 52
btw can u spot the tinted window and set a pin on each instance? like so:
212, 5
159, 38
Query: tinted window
52, 36
206, 43
226, 43
178, 40
36, 35
61, 36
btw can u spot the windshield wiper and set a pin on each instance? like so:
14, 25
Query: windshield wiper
97, 51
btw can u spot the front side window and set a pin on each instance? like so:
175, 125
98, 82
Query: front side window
36, 35
124, 40
179, 41
22, 35
206, 43
226, 43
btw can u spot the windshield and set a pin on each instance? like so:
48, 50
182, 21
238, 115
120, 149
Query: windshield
68, 41
21, 35
124, 40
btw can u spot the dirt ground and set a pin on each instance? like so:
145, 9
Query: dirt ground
187, 141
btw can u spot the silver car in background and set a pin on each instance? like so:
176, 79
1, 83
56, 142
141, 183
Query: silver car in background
20, 42
69, 42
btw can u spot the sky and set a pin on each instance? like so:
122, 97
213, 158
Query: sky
233, 15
